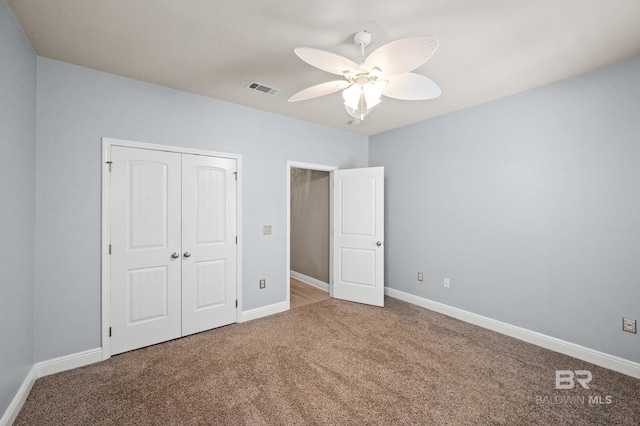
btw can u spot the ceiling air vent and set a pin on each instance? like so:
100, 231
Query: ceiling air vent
262, 88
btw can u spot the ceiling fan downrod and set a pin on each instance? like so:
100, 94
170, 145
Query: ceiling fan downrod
362, 39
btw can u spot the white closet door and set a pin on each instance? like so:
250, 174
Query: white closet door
208, 242
145, 237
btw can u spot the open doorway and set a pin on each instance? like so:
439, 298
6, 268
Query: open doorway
308, 232
356, 234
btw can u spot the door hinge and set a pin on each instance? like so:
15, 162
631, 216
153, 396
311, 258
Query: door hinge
236, 175
109, 248
236, 239
109, 163
109, 331
236, 303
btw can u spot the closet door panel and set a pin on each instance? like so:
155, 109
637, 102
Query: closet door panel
145, 232
209, 242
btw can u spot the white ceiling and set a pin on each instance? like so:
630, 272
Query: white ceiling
488, 49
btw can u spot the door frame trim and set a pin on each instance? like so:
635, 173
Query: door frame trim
308, 166
105, 266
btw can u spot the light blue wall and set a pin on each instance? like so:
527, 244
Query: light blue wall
17, 208
76, 107
529, 204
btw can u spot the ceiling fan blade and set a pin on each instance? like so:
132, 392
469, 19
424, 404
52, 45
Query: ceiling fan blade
327, 61
320, 90
400, 56
411, 87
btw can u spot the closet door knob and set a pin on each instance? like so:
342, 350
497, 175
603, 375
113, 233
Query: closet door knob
175, 255
379, 243
186, 254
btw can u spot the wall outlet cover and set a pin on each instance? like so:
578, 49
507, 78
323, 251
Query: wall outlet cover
263, 283
420, 276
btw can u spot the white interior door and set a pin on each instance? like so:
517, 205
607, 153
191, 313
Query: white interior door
358, 246
145, 237
208, 242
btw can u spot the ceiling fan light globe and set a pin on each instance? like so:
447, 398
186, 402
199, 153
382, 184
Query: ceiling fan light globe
371, 104
351, 96
372, 94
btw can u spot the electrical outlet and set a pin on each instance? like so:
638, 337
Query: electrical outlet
420, 276
267, 230
629, 325
263, 283
446, 282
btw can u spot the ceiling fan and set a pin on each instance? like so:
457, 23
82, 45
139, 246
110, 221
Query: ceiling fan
386, 71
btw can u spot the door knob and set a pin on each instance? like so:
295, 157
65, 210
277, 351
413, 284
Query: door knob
379, 243
186, 254
175, 255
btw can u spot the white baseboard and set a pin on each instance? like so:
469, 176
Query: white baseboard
593, 356
68, 362
18, 401
46, 368
264, 311
311, 281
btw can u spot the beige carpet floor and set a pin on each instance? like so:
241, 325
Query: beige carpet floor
335, 363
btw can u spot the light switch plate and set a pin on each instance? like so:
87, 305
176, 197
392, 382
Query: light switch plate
629, 325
